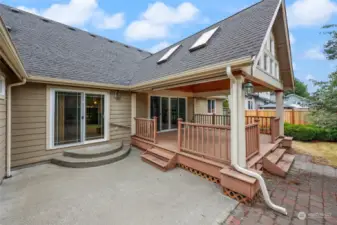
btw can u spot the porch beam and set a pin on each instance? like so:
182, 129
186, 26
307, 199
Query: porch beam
133, 113
280, 110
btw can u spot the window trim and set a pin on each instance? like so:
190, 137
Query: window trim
3, 88
214, 109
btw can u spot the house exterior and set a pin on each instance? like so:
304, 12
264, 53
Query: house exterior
297, 101
74, 88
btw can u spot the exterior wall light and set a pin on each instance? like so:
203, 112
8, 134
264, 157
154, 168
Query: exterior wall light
248, 88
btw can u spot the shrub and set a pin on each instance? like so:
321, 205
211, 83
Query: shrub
310, 133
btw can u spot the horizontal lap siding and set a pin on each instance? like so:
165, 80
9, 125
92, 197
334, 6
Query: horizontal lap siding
2, 138
142, 105
120, 114
29, 122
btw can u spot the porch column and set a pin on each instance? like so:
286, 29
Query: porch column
238, 134
133, 113
280, 110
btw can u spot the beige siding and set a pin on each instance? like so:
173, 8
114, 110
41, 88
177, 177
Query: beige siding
120, 113
2, 135
190, 106
29, 118
142, 105
202, 108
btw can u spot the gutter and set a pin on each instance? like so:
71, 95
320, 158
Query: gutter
9, 125
234, 154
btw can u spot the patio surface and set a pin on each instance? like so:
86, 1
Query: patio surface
126, 192
309, 189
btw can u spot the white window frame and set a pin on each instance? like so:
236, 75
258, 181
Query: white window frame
3, 87
51, 117
271, 68
214, 110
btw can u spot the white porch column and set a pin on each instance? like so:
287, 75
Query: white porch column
133, 113
238, 134
280, 110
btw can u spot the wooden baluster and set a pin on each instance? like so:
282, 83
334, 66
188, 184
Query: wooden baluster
219, 141
179, 133
214, 151
155, 129
202, 139
197, 139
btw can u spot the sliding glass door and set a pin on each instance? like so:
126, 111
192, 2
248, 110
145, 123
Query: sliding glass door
67, 127
94, 119
78, 117
168, 110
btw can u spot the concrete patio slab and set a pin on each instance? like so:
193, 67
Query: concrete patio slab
127, 192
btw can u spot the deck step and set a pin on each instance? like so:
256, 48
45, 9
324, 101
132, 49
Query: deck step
155, 161
276, 155
278, 165
67, 161
95, 151
286, 162
160, 153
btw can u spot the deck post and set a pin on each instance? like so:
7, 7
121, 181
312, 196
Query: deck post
133, 113
272, 129
280, 110
155, 129
179, 133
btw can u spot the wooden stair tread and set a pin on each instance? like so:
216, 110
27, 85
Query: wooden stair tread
155, 160
286, 162
275, 156
259, 166
240, 176
263, 152
162, 153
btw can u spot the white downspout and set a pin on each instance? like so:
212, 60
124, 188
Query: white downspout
234, 151
9, 125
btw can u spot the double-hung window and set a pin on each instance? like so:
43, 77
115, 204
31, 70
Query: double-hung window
211, 106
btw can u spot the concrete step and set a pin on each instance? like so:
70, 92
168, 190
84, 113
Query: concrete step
95, 151
276, 155
92, 162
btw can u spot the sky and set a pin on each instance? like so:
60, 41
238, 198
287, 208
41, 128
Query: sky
154, 25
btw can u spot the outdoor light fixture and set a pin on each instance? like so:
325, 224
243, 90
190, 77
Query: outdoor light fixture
117, 95
248, 88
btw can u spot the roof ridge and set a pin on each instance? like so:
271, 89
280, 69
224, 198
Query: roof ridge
75, 28
202, 30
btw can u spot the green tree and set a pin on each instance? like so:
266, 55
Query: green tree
301, 89
325, 97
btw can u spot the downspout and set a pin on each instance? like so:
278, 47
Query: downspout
234, 158
9, 125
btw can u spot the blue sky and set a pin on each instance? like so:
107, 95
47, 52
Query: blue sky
153, 25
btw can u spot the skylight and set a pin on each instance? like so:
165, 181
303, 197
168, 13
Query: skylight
203, 39
168, 54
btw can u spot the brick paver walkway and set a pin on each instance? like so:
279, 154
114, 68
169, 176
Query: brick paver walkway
308, 189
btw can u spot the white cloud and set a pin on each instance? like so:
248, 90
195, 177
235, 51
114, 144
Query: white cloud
314, 53
30, 10
159, 46
292, 38
155, 22
311, 12
294, 66
309, 77
80, 13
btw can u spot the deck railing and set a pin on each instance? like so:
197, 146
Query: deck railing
275, 129
146, 129
263, 121
212, 119
208, 141
252, 140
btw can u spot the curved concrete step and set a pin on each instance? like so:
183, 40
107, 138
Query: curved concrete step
93, 162
90, 152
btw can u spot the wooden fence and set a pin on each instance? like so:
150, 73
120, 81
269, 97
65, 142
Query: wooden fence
146, 129
208, 141
293, 116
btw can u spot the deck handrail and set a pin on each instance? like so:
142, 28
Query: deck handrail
213, 119
146, 129
263, 121
208, 141
275, 129
252, 140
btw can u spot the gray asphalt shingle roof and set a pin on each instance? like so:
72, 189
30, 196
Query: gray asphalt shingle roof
52, 49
